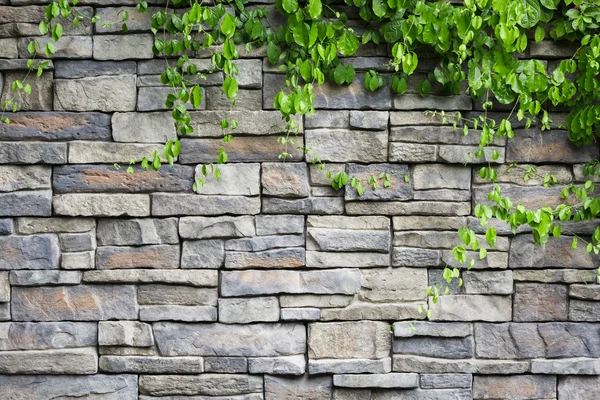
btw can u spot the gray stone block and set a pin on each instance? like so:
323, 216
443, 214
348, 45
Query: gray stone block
203, 385
280, 388
488, 282
82, 361
408, 152
125, 333
178, 277
246, 310
278, 258
71, 69
32, 153
300, 314
76, 303
368, 120
252, 340
28, 226
446, 381
242, 149
102, 93
387, 381
429, 365
118, 47
41, 97
393, 285
566, 366
45, 278
13, 177
151, 365
540, 302
279, 224
359, 146
155, 127
82, 260
165, 204
216, 227
160, 256
235, 180
6, 226
203, 254
29, 252
132, 232
103, 387
533, 145
251, 282
108, 152
286, 365
102, 205
26, 203
349, 340
73, 242
51, 126
226, 364
47, 335
178, 313
358, 311
578, 387
354, 366
176, 295
514, 387
323, 259
398, 189
436, 347
581, 310
285, 180
472, 308
525, 253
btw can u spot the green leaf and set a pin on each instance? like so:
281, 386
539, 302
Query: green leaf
273, 52
197, 96
540, 33
315, 8
532, 14
347, 44
306, 70
228, 25
290, 6
379, 7
31, 47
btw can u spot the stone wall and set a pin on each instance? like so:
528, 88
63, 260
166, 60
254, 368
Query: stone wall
268, 284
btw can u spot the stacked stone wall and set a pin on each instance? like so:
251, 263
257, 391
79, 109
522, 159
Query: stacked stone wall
268, 284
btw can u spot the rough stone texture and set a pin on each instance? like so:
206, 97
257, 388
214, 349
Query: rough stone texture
540, 302
114, 93
77, 303
29, 252
268, 283
514, 387
254, 340
102, 387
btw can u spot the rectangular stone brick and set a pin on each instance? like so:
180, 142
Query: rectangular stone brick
76, 303
80, 260
408, 152
4, 288
472, 308
235, 180
215, 227
241, 149
28, 226
467, 154
410, 101
313, 205
252, 282
176, 295
359, 311
47, 335
178, 313
429, 365
533, 145
56, 126
78, 47
203, 385
70, 69
397, 190
161, 256
436, 347
32, 153
154, 127
525, 253
123, 47
26, 203
100, 386
249, 123
278, 258
354, 366
102, 93
45, 277
133, 232
349, 340
359, 146
106, 178
393, 380
107, 152
154, 98
164, 204
246, 310
408, 208
540, 302
29, 252
226, 364
72, 361
102, 205
253, 340
205, 278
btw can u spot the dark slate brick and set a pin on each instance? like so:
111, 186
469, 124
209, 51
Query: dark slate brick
106, 178
71, 69
56, 126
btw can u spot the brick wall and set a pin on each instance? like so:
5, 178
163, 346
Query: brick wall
268, 284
